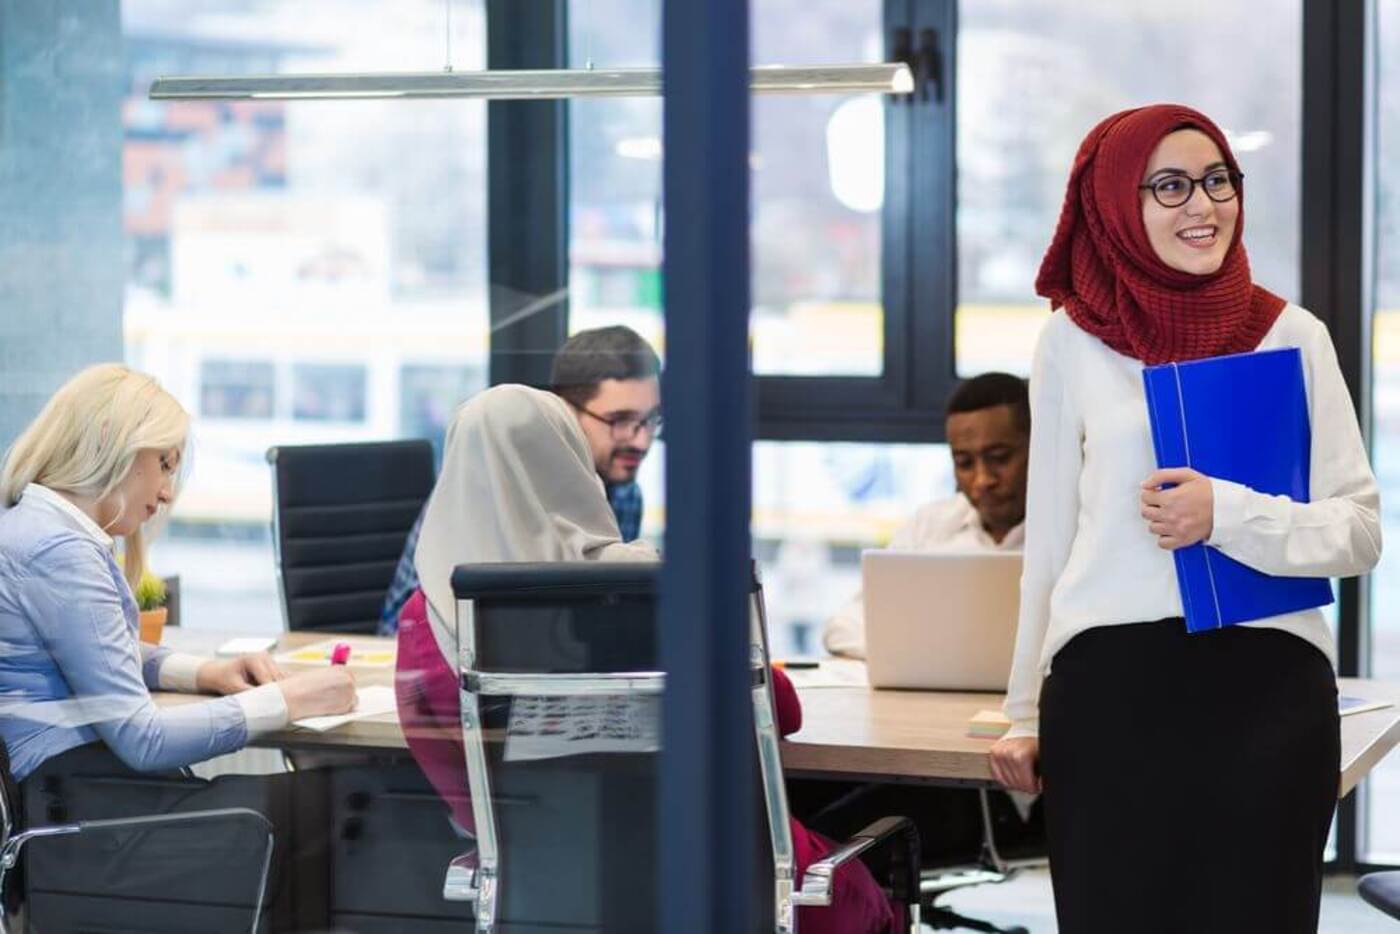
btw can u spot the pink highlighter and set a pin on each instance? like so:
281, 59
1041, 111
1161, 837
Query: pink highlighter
340, 655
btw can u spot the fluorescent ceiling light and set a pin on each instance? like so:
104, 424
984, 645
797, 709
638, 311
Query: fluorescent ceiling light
894, 78
639, 147
855, 154
1249, 141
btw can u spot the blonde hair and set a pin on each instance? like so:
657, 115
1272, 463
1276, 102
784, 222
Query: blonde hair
87, 436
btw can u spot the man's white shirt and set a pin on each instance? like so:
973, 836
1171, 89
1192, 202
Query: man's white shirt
944, 525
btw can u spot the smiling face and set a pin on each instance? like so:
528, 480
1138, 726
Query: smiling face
148, 485
1195, 236
616, 454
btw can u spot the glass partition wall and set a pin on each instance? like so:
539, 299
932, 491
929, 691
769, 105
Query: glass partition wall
1381, 839
302, 272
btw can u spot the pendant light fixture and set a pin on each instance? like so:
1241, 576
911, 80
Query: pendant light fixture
891, 78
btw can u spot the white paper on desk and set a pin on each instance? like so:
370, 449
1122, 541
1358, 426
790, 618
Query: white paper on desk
370, 701
552, 727
831, 673
1351, 705
245, 645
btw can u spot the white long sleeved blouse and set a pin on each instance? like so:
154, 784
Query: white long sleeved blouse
1089, 557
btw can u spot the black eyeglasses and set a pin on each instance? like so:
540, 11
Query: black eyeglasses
625, 426
1172, 191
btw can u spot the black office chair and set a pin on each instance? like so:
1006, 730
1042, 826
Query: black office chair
14, 835
565, 831
1382, 890
341, 515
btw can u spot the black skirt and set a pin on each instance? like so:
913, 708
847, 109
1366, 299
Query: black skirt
1190, 780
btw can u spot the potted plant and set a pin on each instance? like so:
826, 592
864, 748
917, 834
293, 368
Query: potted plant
150, 600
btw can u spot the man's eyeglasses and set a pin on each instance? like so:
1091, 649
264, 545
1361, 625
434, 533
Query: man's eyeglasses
1172, 191
625, 425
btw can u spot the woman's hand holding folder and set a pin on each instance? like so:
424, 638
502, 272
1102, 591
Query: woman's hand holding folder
1179, 506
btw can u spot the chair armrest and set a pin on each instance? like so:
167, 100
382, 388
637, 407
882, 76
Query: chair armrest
897, 832
16, 842
1381, 890
178, 817
9, 856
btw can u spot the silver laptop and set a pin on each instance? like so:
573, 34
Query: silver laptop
940, 622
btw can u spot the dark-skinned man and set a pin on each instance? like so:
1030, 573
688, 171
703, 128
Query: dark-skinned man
989, 431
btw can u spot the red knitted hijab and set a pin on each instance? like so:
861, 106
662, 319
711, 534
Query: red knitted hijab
1102, 269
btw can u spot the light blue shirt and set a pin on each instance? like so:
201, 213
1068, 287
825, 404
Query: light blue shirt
72, 667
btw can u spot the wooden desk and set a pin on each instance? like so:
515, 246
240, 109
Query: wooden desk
380, 732
921, 736
848, 732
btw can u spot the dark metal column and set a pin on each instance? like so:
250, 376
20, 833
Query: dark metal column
1338, 252
527, 196
707, 791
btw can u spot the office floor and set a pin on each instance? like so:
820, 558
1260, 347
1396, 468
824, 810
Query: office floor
1027, 901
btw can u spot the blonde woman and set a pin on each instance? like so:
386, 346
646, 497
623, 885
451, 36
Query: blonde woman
101, 459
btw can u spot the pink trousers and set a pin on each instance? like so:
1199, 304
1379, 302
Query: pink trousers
430, 710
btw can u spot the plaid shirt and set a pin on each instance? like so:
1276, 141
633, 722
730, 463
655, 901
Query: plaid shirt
626, 502
624, 498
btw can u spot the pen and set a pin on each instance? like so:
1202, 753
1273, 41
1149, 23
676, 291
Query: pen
797, 666
340, 654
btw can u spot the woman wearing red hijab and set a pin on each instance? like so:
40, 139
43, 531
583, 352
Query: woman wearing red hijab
1189, 780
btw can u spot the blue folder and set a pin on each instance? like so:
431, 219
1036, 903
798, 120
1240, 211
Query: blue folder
1242, 417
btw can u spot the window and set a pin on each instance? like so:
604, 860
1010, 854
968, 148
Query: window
286, 260
855, 348
328, 393
614, 152
428, 395
817, 172
232, 389
815, 507
1016, 142
838, 353
820, 323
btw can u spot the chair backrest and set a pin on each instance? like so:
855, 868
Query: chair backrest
561, 694
341, 515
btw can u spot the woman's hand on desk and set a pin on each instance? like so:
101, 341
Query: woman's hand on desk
1016, 763
318, 693
231, 675
1182, 515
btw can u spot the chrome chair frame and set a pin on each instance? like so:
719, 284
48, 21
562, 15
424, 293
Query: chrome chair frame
480, 884
817, 883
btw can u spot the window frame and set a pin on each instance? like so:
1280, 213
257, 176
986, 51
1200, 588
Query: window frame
528, 220
918, 261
